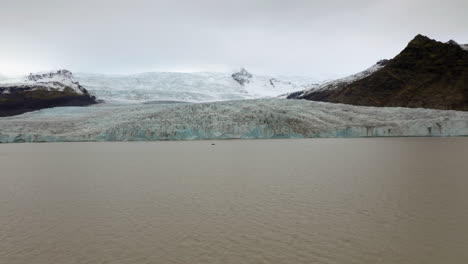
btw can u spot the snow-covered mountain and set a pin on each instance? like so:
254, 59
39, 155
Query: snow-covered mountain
335, 84
189, 87
60, 80
38, 91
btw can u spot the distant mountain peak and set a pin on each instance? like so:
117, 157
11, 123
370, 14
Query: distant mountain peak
421, 37
452, 42
242, 77
421, 40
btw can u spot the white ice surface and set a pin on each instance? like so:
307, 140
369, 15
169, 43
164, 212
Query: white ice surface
187, 87
264, 118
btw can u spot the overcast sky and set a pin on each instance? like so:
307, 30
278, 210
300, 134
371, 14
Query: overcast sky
324, 39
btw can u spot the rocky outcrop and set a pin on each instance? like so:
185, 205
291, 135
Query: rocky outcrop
43, 91
242, 77
426, 74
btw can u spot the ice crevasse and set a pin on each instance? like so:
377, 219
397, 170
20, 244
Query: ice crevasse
262, 118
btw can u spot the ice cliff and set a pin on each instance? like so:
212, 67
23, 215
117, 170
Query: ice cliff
266, 118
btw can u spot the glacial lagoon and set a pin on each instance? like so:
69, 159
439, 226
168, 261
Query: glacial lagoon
370, 200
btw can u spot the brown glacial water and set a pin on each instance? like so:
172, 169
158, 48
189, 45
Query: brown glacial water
393, 200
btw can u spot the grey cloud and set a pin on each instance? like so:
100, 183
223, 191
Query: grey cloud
318, 38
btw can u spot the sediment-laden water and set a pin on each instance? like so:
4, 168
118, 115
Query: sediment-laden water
393, 200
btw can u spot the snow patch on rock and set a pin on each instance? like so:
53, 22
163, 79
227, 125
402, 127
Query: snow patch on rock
50, 81
335, 84
350, 79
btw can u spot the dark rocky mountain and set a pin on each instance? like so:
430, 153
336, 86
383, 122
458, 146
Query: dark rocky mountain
43, 91
426, 74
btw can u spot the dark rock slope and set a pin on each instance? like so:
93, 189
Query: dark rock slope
43, 91
426, 74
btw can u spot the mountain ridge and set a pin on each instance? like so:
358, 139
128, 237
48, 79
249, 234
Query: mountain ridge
43, 90
426, 74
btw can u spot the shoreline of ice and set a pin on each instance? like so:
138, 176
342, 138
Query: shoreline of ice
245, 119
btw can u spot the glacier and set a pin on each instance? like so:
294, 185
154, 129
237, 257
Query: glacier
242, 119
189, 87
